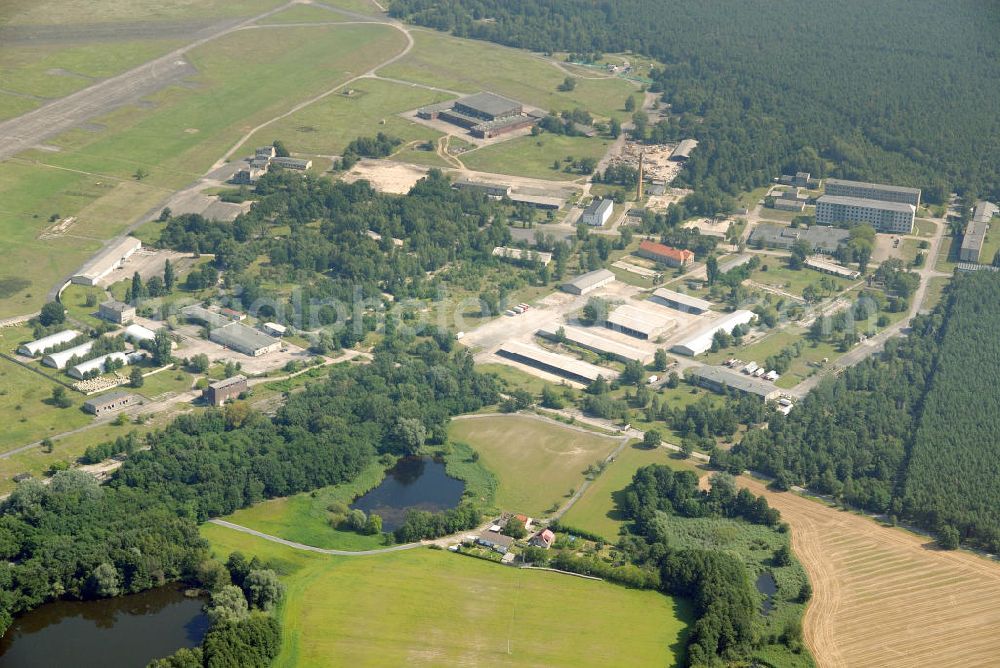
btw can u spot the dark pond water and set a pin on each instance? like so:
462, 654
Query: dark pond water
768, 587
124, 632
414, 482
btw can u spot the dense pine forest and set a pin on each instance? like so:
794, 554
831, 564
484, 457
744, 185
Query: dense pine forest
913, 433
904, 91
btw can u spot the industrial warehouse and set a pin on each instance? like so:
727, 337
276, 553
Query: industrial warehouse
680, 302
559, 365
718, 379
596, 343
638, 322
105, 262
701, 341
587, 283
484, 115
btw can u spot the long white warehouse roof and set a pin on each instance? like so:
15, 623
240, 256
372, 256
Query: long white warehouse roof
83, 368
639, 320
597, 343
105, 262
46, 342
60, 359
664, 295
559, 364
701, 341
138, 333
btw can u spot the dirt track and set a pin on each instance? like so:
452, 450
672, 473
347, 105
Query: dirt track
885, 597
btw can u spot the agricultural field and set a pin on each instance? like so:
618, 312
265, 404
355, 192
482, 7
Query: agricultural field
537, 462
534, 156
174, 136
468, 67
596, 510
864, 574
427, 607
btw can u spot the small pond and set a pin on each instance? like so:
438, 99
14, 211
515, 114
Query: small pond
768, 587
125, 631
418, 483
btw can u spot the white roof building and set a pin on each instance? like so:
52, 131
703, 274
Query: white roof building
560, 365
680, 302
137, 334
106, 261
588, 282
701, 341
638, 322
597, 343
33, 348
274, 329
60, 359
81, 370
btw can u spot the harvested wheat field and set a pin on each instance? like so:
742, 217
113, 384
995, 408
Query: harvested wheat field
885, 597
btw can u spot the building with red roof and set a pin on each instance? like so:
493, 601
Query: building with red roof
672, 257
543, 539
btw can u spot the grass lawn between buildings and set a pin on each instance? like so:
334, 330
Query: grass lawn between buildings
429, 608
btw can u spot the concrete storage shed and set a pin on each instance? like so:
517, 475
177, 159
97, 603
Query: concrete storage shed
111, 402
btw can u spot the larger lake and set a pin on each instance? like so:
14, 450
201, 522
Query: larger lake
126, 631
418, 483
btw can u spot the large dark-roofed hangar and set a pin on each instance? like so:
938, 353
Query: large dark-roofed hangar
488, 106
484, 114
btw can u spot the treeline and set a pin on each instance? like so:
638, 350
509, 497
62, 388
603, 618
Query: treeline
951, 479
242, 631
911, 433
379, 146
76, 539
726, 629
836, 89
221, 460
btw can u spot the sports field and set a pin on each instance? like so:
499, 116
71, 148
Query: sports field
431, 608
887, 597
538, 462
